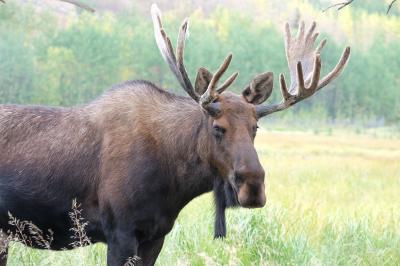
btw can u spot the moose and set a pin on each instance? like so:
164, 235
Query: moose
135, 156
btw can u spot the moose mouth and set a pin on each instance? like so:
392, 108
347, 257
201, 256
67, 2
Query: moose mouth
238, 192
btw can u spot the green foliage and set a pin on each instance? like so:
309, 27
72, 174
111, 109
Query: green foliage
71, 60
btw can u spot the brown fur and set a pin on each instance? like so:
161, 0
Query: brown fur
133, 158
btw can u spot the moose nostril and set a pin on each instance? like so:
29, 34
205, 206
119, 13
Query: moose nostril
239, 179
252, 195
254, 189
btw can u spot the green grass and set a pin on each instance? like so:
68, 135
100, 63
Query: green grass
331, 200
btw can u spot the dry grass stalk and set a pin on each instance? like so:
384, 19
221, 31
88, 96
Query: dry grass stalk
132, 261
29, 234
79, 234
24, 232
4, 242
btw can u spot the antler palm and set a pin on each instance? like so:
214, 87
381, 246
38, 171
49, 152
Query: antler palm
301, 49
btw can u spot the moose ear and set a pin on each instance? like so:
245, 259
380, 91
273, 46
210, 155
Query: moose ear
260, 88
202, 80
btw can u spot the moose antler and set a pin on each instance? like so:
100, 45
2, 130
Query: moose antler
212, 92
305, 67
72, 2
177, 66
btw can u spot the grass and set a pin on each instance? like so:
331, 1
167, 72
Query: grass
331, 200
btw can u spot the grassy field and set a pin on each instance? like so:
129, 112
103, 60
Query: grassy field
331, 200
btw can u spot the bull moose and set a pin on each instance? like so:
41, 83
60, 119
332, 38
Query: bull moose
135, 156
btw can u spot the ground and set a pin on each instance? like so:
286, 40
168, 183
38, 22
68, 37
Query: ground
332, 199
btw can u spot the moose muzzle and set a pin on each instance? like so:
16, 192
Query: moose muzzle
250, 186
252, 195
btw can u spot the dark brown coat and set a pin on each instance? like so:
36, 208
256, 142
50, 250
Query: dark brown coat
133, 158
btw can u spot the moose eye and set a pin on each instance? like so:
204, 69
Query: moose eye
218, 132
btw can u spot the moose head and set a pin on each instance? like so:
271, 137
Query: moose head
233, 118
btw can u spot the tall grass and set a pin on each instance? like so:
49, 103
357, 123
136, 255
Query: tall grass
331, 200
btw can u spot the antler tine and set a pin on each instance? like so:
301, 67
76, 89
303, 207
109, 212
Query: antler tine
212, 93
300, 78
337, 70
160, 35
304, 92
227, 82
221, 70
168, 53
162, 40
311, 31
287, 35
181, 41
316, 73
320, 46
284, 90
305, 81
164, 44
300, 34
179, 59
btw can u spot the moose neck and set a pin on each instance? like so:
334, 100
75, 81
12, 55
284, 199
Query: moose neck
189, 149
174, 130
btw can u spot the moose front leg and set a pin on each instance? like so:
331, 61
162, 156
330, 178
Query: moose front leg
149, 250
122, 245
